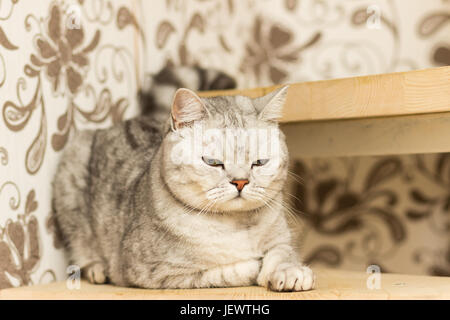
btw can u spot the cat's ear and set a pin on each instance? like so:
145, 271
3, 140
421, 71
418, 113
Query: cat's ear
186, 108
271, 105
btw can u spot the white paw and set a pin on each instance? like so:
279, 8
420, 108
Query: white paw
290, 277
95, 273
246, 271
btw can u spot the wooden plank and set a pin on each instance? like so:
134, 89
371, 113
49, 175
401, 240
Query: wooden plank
402, 93
331, 284
427, 133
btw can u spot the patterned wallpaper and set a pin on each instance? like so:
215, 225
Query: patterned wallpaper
391, 211
272, 41
72, 64
63, 66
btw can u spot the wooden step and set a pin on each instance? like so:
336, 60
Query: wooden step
393, 113
380, 95
331, 284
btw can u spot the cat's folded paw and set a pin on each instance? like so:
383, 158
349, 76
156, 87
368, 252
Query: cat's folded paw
291, 277
95, 273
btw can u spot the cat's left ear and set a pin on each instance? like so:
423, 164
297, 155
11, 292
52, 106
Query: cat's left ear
186, 108
272, 104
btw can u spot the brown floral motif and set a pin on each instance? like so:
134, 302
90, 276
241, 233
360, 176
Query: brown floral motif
428, 26
436, 260
435, 207
126, 18
19, 247
360, 18
104, 107
327, 255
60, 52
291, 4
337, 209
269, 50
432, 23
441, 56
166, 29
61, 56
14, 200
3, 156
5, 42
99, 11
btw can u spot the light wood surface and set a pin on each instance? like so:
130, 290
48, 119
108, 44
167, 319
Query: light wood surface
425, 133
402, 93
331, 284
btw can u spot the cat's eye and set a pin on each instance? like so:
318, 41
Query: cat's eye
260, 162
213, 162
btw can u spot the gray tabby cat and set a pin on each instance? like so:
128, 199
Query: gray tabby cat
134, 212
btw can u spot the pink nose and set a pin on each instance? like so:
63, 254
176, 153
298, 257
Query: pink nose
239, 183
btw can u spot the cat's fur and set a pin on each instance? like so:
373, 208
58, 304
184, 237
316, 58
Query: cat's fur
131, 215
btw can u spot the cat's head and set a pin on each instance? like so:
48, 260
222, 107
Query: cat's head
225, 154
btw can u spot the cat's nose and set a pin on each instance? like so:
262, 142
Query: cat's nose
239, 183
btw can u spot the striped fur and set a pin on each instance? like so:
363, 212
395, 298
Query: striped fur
161, 87
132, 216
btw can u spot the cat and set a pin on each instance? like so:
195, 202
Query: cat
145, 204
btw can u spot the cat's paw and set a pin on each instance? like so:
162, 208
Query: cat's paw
95, 273
291, 277
252, 269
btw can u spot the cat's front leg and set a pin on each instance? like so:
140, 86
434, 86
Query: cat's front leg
243, 273
238, 274
281, 271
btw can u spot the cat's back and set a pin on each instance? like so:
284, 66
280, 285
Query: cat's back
97, 166
72, 172
90, 187
120, 154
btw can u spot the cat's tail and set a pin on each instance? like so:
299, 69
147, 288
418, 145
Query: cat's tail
159, 91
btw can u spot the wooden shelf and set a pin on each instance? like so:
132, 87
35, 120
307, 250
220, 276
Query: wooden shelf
392, 94
424, 133
395, 113
331, 284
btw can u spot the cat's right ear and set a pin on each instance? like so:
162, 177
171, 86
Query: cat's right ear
187, 107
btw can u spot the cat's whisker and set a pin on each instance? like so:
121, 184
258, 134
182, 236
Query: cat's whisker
285, 193
207, 207
291, 213
296, 177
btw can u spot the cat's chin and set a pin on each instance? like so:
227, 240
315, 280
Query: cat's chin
240, 204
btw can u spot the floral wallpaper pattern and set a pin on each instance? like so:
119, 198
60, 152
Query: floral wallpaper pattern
392, 211
64, 66
67, 65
